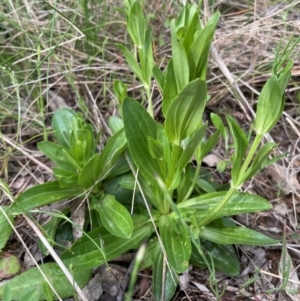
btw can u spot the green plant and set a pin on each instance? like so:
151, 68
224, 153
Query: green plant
182, 217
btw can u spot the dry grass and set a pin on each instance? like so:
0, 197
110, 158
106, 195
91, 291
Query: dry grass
46, 62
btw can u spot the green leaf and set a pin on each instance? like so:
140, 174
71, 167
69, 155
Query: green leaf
146, 58
90, 172
205, 185
82, 146
170, 89
240, 146
180, 61
101, 165
5, 226
43, 194
269, 106
224, 257
131, 61
136, 24
159, 77
185, 112
284, 76
33, 280
199, 51
164, 142
259, 161
62, 124
49, 231
115, 217
176, 241
120, 90
165, 279
236, 236
65, 178
57, 154
86, 252
115, 124
206, 146
138, 127
184, 184
239, 203
218, 123
120, 168
191, 147
155, 148
192, 28
7, 293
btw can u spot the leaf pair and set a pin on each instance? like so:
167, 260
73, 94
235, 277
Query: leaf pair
183, 118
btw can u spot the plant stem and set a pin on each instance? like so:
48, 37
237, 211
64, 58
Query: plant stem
234, 187
248, 159
218, 208
173, 164
191, 189
149, 99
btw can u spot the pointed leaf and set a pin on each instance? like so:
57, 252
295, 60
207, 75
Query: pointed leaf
177, 243
82, 146
193, 27
120, 90
138, 127
164, 142
101, 165
49, 231
57, 154
62, 124
159, 77
165, 279
199, 51
115, 124
224, 257
146, 58
180, 61
43, 194
239, 203
259, 161
240, 147
170, 90
185, 112
191, 148
90, 172
269, 106
236, 236
5, 226
132, 63
136, 24
285, 76
115, 217
121, 167
206, 146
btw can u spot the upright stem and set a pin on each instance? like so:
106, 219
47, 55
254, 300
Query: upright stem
235, 186
173, 164
191, 189
248, 159
149, 99
219, 207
